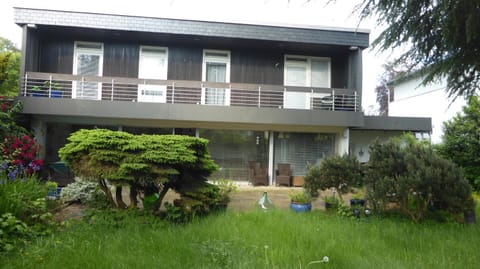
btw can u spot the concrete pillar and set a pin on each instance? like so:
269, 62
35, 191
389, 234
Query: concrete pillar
39, 128
271, 168
343, 141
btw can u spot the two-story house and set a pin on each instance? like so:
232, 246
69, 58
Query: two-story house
261, 94
409, 96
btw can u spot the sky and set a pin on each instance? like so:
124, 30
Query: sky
303, 12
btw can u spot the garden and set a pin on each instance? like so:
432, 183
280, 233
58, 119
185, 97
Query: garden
411, 208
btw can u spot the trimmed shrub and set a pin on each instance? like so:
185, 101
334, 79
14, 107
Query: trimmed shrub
148, 164
339, 172
409, 176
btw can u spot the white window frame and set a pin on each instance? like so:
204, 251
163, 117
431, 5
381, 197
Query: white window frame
141, 53
306, 62
216, 59
78, 50
308, 65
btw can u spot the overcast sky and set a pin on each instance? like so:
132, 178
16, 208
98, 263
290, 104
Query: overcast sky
314, 12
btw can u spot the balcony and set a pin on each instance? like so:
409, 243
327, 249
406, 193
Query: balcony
52, 85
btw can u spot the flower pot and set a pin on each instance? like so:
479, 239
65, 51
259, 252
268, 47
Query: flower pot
301, 207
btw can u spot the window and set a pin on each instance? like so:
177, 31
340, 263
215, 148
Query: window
153, 64
87, 61
303, 71
216, 68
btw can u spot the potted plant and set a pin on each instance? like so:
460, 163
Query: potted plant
300, 201
357, 199
226, 188
331, 202
47, 89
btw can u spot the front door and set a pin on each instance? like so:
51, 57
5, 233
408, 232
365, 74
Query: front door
153, 65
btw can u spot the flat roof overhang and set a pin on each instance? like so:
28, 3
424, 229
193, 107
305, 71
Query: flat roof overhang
188, 116
407, 124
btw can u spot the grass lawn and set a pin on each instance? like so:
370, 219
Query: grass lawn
254, 239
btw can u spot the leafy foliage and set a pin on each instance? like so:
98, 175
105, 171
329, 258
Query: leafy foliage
461, 141
148, 164
9, 118
9, 68
11, 229
440, 35
83, 191
338, 172
409, 175
300, 197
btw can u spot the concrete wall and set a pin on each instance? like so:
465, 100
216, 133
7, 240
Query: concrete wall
360, 141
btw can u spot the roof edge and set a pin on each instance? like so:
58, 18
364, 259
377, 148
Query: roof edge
236, 22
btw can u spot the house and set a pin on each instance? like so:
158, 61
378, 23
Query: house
263, 95
410, 98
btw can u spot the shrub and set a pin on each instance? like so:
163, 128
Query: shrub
410, 176
17, 196
339, 172
11, 230
82, 191
300, 197
148, 164
461, 141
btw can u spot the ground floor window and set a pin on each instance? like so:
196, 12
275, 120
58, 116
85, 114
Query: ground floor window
233, 151
301, 149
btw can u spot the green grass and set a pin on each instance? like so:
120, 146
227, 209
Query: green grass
275, 239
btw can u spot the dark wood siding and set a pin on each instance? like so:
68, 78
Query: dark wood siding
120, 60
262, 67
32, 51
56, 55
184, 63
339, 68
250, 62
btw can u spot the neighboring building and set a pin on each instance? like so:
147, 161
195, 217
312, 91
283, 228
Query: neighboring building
259, 93
410, 98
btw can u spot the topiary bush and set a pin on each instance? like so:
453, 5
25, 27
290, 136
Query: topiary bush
147, 164
339, 172
409, 176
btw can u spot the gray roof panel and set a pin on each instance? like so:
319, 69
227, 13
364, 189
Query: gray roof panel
286, 33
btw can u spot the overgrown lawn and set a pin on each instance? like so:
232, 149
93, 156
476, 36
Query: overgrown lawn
256, 239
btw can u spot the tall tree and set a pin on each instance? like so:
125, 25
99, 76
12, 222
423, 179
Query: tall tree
9, 68
384, 89
441, 35
461, 141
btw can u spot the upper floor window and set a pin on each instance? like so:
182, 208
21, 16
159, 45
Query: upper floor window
307, 71
87, 61
216, 68
304, 71
153, 64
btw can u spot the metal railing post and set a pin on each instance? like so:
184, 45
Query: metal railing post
25, 85
113, 87
355, 94
333, 99
50, 87
259, 96
83, 80
173, 92
312, 104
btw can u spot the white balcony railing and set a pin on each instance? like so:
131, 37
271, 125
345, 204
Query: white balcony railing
53, 85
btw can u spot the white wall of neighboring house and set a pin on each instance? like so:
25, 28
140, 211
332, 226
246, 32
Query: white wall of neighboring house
411, 99
360, 141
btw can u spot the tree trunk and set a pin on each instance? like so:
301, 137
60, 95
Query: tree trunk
158, 203
119, 198
103, 185
133, 196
